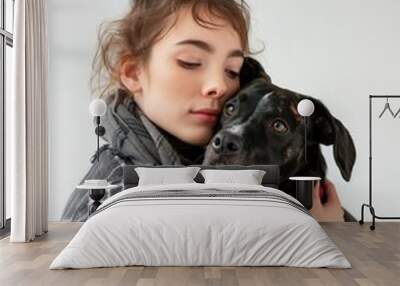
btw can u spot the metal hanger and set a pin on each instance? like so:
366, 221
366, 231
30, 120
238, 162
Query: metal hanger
397, 113
387, 107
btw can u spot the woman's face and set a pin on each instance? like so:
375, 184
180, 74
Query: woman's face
190, 74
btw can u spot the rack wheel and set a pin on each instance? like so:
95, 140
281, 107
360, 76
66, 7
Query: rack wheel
372, 227
360, 222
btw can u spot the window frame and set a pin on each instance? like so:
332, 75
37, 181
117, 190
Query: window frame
6, 39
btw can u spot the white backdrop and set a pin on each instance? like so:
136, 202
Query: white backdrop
338, 51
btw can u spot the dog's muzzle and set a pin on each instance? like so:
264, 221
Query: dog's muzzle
226, 142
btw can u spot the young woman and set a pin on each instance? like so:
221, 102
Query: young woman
171, 65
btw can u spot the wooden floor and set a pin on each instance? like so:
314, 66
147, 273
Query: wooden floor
374, 255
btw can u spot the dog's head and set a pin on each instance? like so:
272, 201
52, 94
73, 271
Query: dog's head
261, 125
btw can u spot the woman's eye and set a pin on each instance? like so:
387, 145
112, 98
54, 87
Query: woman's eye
233, 74
229, 109
191, 65
188, 65
280, 126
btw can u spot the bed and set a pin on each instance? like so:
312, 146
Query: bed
201, 224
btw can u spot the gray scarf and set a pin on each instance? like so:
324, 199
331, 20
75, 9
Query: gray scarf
134, 135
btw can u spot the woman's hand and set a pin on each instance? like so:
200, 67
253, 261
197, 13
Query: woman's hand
329, 209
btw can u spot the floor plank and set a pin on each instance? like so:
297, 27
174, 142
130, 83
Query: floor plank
374, 255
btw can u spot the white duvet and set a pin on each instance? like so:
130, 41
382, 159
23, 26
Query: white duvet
207, 230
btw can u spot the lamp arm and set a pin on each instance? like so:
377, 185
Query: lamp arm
305, 138
100, 131
98, 137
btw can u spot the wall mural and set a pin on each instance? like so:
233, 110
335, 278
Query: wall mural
177, 117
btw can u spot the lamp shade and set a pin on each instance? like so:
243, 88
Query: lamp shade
98, 107
305, 107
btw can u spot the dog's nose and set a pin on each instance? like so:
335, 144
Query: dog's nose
226, 142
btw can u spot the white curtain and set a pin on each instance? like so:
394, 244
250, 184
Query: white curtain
27, 123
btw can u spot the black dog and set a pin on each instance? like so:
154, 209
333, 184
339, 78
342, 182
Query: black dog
261, 125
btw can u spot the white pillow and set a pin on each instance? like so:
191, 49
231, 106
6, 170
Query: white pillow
160, 176
248, 177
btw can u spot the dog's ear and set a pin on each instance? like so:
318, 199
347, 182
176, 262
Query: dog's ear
328, 130
251, 70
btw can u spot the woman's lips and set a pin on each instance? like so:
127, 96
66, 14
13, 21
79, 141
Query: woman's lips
205, 117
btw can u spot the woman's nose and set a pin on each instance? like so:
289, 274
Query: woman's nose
215, 87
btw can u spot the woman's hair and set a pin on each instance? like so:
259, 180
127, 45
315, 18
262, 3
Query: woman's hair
133, 36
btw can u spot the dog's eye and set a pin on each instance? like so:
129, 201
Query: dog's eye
280, 126
229, 109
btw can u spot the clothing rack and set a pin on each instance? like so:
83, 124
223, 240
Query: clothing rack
369, 205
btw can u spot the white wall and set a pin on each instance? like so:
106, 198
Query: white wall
338, 51
341, 51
